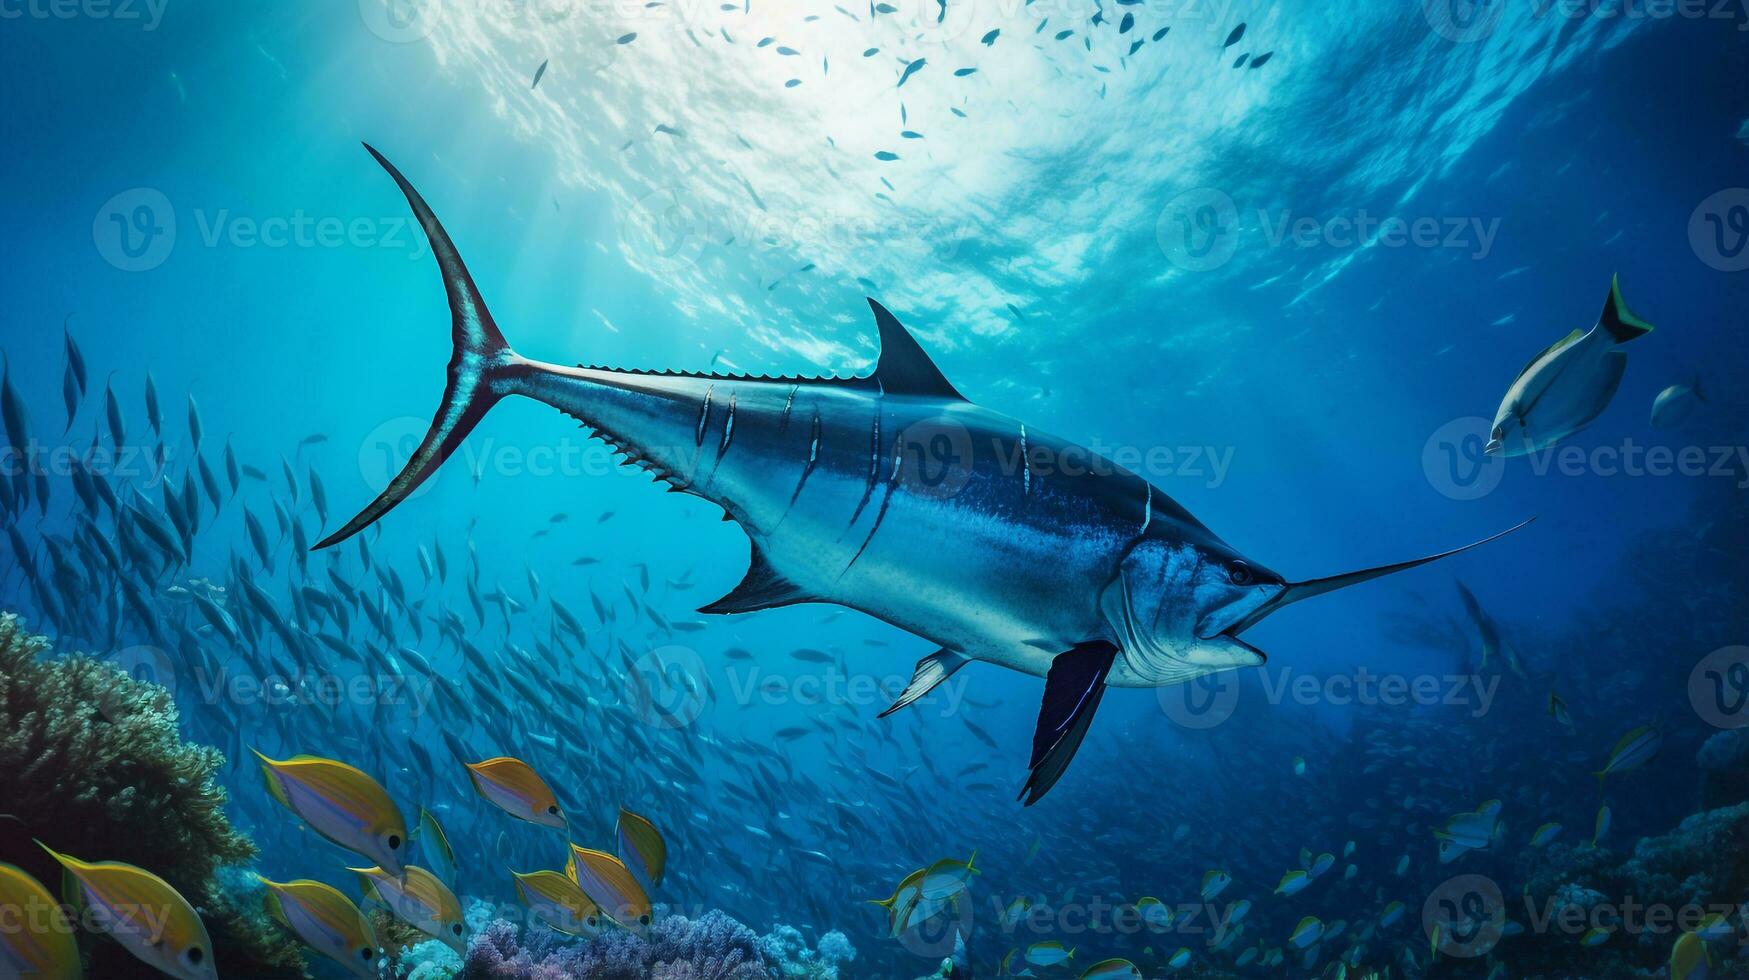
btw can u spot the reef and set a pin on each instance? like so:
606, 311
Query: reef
92, 764
1724, 764
1644, 898
712, 946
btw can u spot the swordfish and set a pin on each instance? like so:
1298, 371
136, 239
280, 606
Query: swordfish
893, 494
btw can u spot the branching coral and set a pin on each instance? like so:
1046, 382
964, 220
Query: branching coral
711, 947
91, 764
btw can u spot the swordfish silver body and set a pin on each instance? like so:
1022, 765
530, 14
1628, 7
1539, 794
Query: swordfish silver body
894, 495
914, 509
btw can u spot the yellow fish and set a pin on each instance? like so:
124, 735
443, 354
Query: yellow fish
38, 939
342, 804
1689, 959
142, 913
511, 786
326, 921
609, 883
1112, 969
904, 902
641, 847
557, 900
419, 899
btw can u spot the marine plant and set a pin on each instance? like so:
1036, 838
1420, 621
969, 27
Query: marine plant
92, 764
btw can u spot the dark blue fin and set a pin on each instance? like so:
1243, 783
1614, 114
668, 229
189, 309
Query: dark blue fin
479, 365
1073, 690
903, 368
763, 587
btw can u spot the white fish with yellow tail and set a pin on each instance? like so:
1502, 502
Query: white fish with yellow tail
641, 848
513, 786
40, 942
610, 884
342, 804
326, 921
1567, 385
558, 901
417, 898
140, 911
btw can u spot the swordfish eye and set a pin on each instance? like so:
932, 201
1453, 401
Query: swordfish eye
1498, 433
392, 841
193, 957
553, 810
1240, 573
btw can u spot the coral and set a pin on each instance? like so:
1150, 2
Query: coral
835, 948
710, 947
783, 944
788, 952
92, 764
1724, 763
1701, 865
429, 960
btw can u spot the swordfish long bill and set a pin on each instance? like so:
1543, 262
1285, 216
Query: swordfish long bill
894, 495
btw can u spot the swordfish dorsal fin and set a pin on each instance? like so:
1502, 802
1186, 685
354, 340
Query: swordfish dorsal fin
763, 587
903, 368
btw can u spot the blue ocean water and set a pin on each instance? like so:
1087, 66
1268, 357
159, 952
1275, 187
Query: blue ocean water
1291, 294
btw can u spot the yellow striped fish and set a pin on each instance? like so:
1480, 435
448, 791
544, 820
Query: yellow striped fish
143, 913
511, 786
904, 902
557, 900
418, 899
607, 881
342, 804
641, 847
1112, 969
326, 921
38, 942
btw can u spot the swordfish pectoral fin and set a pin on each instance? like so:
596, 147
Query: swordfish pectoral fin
929, 673
481, 368
1073, 689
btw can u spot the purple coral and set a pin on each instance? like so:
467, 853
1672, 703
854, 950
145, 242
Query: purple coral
711, 947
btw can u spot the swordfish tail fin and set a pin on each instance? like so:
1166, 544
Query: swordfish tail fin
481, 368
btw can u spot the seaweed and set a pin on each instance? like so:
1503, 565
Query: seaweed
92, 764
